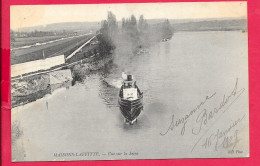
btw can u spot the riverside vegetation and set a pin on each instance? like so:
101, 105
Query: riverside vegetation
131, 38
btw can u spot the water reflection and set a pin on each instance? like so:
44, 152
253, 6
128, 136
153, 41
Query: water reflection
167, 47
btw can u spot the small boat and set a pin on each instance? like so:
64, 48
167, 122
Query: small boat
130, 100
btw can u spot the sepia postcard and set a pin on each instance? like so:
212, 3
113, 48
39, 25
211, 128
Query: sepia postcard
129, 81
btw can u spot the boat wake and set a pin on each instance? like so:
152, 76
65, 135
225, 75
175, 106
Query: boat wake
113, 82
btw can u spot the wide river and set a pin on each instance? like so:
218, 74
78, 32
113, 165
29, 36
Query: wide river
175, 77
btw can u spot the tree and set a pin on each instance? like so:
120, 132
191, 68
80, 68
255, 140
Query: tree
104, 27
108, 29
112, 23
167, 29
142, 25
133, 20
123, 23
141, 22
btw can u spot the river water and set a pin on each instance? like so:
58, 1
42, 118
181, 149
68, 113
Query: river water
175, 77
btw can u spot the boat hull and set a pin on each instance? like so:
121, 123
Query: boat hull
131, 109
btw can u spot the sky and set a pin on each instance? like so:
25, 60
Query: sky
34, 15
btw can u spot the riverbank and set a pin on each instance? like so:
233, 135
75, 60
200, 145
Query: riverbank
31, 88
81, 70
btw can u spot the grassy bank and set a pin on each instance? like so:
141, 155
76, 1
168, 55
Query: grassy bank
80, 71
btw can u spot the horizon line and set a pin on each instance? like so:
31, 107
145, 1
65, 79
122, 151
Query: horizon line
213, 18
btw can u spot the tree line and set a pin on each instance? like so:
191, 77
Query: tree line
138, 32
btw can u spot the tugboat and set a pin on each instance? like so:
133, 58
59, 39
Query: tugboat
130, 100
